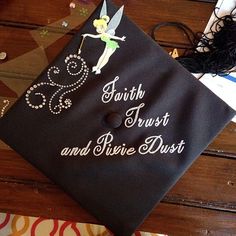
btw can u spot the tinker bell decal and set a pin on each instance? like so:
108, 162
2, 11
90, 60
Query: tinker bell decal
106, 32
57, 96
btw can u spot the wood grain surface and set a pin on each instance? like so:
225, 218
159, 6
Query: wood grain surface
203, 202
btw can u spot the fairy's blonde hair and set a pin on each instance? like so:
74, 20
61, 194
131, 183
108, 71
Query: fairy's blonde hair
101, 22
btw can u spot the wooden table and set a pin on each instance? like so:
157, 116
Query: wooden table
203, 202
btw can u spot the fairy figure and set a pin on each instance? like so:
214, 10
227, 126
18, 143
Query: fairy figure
106, 32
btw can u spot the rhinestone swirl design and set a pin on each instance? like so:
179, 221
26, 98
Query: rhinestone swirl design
36, 97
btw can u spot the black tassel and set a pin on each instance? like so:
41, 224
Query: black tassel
214, 52
217, 53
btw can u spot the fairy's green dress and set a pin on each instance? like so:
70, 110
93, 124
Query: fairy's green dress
110, 43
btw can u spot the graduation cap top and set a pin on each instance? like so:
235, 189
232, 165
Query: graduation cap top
114, 120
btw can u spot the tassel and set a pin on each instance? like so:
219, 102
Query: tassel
215, 53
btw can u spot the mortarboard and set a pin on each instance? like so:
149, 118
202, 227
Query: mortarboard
114, 120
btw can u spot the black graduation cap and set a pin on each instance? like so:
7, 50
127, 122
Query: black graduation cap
114, 120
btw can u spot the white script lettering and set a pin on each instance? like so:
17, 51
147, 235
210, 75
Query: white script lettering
154, 144
110, 92
104, 147
133, 118
75, 151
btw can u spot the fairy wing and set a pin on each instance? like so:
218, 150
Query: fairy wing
115, 21
104, 9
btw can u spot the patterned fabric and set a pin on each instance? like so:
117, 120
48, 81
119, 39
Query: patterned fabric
15, 225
